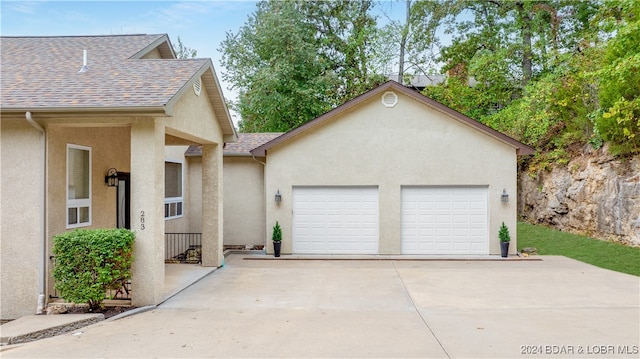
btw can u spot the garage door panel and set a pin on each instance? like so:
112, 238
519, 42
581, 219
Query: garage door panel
444, 220
480, 219
461, 218
335, 220
478, 205
426, 219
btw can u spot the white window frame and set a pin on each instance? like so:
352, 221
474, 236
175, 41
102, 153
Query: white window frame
176, 202
78, 203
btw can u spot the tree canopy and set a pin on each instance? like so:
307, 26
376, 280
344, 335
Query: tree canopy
555, 74
294, 60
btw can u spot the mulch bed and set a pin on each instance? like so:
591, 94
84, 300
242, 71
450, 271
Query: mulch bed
108, 312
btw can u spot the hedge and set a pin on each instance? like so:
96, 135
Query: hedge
88, 262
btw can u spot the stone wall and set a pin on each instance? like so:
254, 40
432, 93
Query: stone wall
594, 194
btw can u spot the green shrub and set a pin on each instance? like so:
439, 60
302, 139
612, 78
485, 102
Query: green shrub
88, 262
277, 233
503, 234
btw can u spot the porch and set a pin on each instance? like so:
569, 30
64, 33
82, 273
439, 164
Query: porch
183, 267
176, 278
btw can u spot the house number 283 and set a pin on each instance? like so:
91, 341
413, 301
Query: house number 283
142, 220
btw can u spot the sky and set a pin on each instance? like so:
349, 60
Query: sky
200, 25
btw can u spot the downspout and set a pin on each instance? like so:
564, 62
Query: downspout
255, 159
264, 197
43, 248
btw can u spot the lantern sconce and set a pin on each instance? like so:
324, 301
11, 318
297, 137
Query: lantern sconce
278, 197
504, 198
111, 179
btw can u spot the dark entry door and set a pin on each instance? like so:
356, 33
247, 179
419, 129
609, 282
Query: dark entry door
124, 201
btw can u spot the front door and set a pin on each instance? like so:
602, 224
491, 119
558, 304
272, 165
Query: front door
123, 202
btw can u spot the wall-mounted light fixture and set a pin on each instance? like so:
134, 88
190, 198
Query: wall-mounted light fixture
278, 197
504, 198
111, 179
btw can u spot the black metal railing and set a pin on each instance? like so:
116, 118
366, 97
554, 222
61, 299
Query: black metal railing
183, 248
122, 293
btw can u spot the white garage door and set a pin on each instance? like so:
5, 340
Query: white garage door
444, 220
336, 220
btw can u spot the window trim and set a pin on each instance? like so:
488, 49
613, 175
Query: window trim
78, 203
178, 202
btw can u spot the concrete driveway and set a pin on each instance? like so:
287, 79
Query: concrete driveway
556, 307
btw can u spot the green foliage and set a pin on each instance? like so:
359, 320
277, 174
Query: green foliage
294, 60
273, 61
503, 234
344, 31
618, 120
277, 233
604, 254
474, 102
554, 74
88, 262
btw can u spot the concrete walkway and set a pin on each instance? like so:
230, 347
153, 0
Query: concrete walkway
556, 307
34, 327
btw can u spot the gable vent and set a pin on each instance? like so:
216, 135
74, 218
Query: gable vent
389, 99
197, 86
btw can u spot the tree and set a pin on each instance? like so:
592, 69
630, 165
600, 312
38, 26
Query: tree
294, 60
411, 44
345, 30
184, 52
618, 78
273, 61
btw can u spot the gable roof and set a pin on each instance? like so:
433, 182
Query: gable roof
42, 74
249, 141
246, 142
521, 149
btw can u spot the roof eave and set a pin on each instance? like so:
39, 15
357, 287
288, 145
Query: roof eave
237, 154
521, 149
165, 50
76, 110
215, 88
215, 96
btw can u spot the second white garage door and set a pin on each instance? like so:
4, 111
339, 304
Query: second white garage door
335, 220
444, 220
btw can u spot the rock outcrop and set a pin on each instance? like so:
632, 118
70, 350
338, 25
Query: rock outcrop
594, 194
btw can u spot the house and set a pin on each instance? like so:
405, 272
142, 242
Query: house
93, 135
420, 82
389, 172
244, 219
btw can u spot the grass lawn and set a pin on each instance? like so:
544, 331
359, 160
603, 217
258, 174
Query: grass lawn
603, 254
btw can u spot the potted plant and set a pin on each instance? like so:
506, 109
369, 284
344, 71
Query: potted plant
505, 238
277, 239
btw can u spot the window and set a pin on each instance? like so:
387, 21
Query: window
173, 201
78, 186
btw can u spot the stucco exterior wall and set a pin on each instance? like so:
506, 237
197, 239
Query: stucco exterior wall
244, 201
21, 218
193, 119
27, 238
153, 54
409, 144
110, 147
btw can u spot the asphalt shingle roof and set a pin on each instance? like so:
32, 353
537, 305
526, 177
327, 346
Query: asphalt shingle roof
246, 142
43, 72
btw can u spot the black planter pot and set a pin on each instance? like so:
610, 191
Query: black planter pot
504, 249
276, 248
